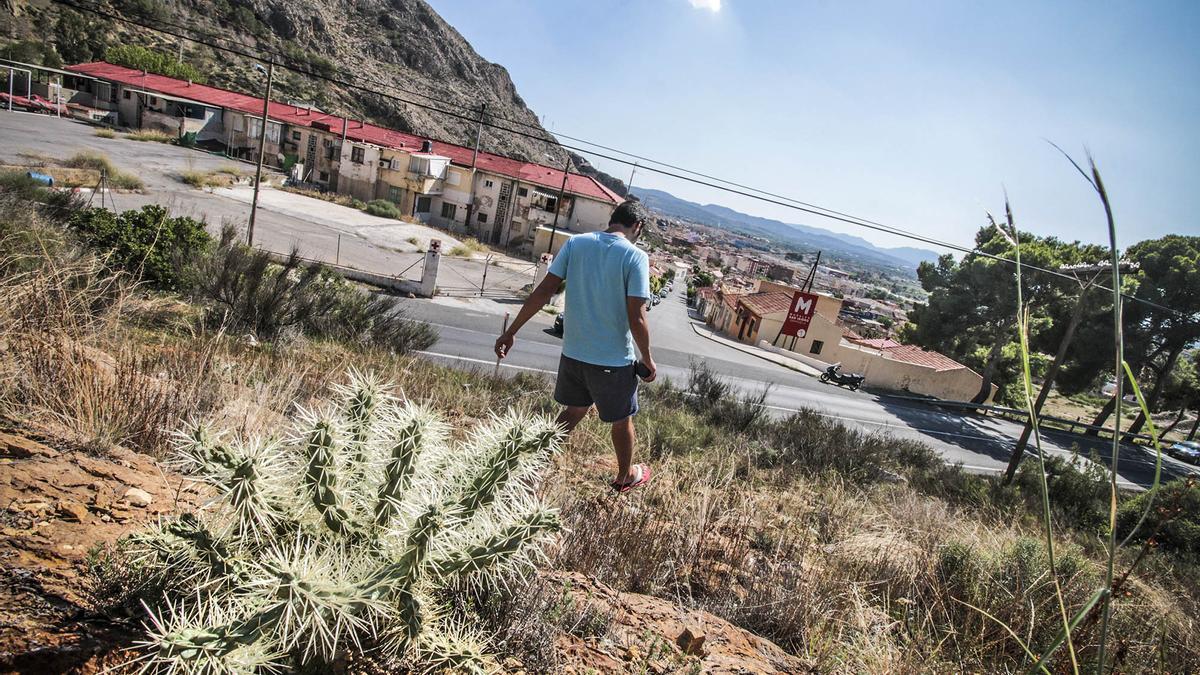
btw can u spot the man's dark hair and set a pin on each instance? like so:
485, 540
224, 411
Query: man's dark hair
628, 214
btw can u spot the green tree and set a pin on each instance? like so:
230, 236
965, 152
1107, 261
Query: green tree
1169, 277
79, 38
1182, 390
151, 61
971, 311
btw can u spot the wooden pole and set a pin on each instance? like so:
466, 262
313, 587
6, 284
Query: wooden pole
262, 151
558, 205
496, 373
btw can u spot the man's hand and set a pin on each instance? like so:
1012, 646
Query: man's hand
503, 344
649, 363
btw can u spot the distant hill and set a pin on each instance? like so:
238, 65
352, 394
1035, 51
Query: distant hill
835, 244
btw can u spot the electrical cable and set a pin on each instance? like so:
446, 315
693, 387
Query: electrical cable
741, 190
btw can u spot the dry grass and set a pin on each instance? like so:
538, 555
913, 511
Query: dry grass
469, 246
223, 177
148, 135
104, 133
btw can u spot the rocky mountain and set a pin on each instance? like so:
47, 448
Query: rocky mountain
400, 48
806, 237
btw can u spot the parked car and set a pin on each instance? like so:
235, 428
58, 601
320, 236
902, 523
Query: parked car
1188, 451
558, 324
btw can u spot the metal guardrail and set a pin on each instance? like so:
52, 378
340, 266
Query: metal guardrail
1072, 426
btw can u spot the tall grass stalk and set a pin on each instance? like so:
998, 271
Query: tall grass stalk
1014, 237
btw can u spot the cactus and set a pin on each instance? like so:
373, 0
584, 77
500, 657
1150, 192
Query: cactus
343, 537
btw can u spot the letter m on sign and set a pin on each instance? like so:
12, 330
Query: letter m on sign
800, 314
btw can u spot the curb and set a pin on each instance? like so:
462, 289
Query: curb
749, 350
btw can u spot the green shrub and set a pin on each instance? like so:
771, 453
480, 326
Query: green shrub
383, 209
270, 298
343, 539
148, 243
161, 63
1174, 522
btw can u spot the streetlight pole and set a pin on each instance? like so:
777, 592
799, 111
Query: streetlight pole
262, 150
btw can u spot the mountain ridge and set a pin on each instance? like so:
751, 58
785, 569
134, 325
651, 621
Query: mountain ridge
814, 238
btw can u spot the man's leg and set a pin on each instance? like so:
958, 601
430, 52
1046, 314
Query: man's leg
623, 439
571, 416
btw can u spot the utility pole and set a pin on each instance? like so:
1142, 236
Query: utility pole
558, 204
474, 156
629, 185
262, 150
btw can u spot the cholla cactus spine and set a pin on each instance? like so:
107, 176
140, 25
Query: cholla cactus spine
339, 538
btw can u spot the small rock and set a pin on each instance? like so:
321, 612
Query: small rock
72, 511
22, 448
412, 296
691, 641
633, 653
138, 497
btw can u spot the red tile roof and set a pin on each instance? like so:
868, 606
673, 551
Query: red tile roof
527, 172
767, 303
877, 343
921, 357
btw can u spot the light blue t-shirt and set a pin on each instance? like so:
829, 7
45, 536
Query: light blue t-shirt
601, 270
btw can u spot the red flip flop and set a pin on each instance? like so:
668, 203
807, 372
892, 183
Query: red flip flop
642, 480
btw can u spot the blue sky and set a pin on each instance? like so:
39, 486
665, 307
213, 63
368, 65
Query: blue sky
917, 115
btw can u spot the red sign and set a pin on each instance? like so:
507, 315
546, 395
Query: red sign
800, 314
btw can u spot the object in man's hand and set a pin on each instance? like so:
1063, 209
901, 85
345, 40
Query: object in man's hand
642, 370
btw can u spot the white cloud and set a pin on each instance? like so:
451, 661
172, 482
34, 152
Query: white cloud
713, 6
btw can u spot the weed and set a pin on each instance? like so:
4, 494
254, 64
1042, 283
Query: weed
383, 209
150, 136
468, 247
104, 133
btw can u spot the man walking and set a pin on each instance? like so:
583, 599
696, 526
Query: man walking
608, 286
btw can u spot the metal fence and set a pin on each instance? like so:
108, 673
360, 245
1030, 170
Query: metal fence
487, 277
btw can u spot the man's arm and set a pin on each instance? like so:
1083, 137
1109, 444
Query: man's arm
533, 304
635, 307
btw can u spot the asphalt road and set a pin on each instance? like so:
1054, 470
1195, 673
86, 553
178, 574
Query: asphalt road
980, 444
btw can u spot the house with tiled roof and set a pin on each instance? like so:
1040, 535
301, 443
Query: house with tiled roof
501, 200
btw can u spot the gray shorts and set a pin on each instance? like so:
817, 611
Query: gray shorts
612, 389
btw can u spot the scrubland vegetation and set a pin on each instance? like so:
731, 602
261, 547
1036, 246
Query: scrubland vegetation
856, 551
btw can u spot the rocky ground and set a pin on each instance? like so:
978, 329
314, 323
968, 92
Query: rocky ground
59, 508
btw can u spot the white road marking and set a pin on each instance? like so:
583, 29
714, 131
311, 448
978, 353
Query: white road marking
485, 362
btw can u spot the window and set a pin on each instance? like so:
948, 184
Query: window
356, 155
449, 211
153, 100
253, 128
543, 201
416, 165
395, 194
452, 177
127, 96
323, 176
522, 192
816, 347
424, 204
328, 143
295, 135
482, 217
488, 183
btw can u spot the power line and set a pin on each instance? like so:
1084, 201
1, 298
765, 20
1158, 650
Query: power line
741, 190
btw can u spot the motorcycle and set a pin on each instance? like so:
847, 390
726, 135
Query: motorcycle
833, 374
